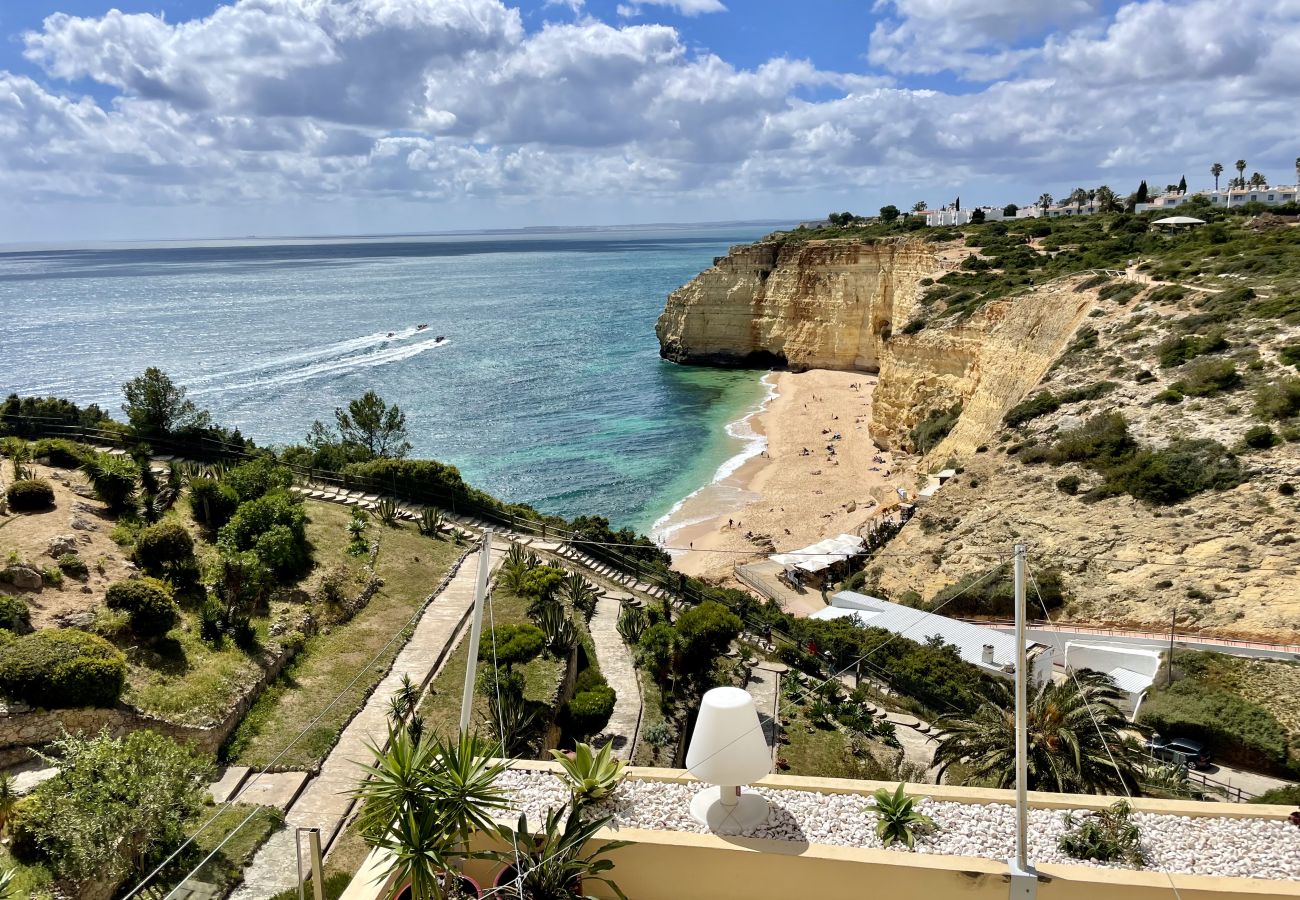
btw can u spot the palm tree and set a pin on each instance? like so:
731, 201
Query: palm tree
1107, 201
1297, 170
918, 206
1240, 166
1216, 170
1092, 195
1044, 201
1077, 197
1257, 180
423, 799
1076, 738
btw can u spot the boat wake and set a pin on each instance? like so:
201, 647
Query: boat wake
339, 358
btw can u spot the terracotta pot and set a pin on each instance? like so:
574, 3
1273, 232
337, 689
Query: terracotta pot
470, 886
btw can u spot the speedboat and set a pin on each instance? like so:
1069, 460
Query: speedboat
439, 339
421, 327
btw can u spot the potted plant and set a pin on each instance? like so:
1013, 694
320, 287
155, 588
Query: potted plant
423, 799
550, 864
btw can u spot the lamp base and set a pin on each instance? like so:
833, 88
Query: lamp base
749, 811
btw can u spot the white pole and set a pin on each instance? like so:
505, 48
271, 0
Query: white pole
1022, 719
1024, 881
475, 629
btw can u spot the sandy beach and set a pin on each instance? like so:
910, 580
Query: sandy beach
797, 491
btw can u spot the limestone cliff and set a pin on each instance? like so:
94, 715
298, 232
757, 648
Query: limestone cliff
842, 304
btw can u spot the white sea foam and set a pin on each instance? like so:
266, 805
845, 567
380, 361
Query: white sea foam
346, 364
671, 522
315, 353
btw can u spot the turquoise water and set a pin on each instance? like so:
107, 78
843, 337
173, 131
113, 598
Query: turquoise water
548, 388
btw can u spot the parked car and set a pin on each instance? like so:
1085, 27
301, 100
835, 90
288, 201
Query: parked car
1181, 750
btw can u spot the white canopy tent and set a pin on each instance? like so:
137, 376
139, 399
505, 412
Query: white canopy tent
821, 555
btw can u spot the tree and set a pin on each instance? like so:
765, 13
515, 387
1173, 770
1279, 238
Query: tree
889, 213
1257, 180
1009, 211
1182, 184
918, 206
1240, 166
1106, 200
155, 405
372, 425
1074, 728
977, 216
1143, 193
1044, 200
1078, 197
113, 806
1216, 170
1297, 170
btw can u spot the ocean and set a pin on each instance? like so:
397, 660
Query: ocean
548, 388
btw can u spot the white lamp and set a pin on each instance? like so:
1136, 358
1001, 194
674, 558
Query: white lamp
728, 750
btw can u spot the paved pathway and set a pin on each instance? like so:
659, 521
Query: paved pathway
616, 664
325, 802
765, 687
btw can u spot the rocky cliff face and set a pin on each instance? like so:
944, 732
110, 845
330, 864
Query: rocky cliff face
842, 305
816, 305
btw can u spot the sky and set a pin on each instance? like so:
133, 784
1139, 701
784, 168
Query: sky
180, 119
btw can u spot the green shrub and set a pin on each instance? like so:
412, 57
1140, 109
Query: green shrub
540, 581
113, 478
914, 326
15, 615
30, 495
257, 478
992, 593
164, 547
62, 668
1259, 437
1106, 835
1234, 729
61, 453
211, 502
1279, 399
589, 710
1281, 796
1208, 376
1068, 484
934, 428
279, 516
74, 566
149, 603
511, 644
52, 576
1290, 355
1045, 402
1120, 292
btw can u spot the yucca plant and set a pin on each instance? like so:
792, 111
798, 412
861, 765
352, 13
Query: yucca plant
386, 511
579, 593
113, 479
516, 555
1106, 835
511, 722
897, 819
631, 623
552, 865
590, 775
431, 522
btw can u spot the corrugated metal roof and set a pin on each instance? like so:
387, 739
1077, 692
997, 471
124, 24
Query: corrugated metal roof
823, 554
918, 625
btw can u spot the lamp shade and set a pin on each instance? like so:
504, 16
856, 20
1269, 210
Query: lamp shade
728, 746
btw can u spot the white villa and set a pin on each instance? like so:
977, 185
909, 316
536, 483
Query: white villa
1227, 197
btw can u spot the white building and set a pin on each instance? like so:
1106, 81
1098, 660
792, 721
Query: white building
1133, 668
1227, 198
990, 650
948, 216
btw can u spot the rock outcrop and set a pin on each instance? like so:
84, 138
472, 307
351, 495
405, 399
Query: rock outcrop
843, 304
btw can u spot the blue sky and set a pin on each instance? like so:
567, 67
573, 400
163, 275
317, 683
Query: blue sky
188, 118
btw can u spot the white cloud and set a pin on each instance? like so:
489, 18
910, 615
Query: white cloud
683, 7
272, 102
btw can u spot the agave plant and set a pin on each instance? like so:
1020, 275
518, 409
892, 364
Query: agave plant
8, 884
386, 511
512, 722
423, 799
431, 522
113, 479
552, 865
897, 819
631, 622
578, 591
591, 775
561, 635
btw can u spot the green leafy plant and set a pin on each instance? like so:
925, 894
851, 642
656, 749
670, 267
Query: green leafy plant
62, 668
553, 865
30, 495
1107, 835
74, 566
113, 479
211, 502
897, 820
15, 614
165, 547
561, 634
149, 603
386, 511
631, 623
588, 711
579, 593
590, 775
431, 522
511, 644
